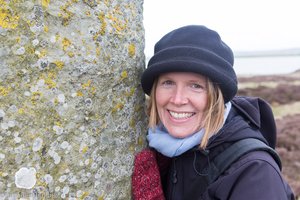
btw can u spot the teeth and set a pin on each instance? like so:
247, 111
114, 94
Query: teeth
181, 115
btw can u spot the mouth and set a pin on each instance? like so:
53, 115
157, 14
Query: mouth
181, 115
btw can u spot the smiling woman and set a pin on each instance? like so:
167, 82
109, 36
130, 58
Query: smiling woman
194, 116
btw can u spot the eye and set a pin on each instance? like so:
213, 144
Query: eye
167, 83
197, 87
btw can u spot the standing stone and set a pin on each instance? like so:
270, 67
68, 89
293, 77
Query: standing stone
71, 107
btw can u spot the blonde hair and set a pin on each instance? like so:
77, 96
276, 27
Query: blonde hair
214, 112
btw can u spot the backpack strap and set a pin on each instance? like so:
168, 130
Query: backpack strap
231, 154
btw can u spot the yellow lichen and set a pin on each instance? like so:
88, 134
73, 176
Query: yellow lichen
131, 148
66, 43
18, 40
131, 50
45, 3
49, 79
101, 197
87, 13
50, 83
42, 53
117, 20
7, 19
98, 51
84, 195
131, 92
101, 17
4, 91
118, 106
57, 123
79, 93
87, 84
35, 97
66, 14
21, 111
59, 64
57, 36
132, 123
46, 29
51, 75
93, 90
107, 3
140, 141
71, 54
85, 149
56, 101
30, 49
124, 74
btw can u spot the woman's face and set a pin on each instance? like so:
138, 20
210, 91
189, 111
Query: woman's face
181, 99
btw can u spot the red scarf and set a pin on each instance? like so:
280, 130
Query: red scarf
146, 180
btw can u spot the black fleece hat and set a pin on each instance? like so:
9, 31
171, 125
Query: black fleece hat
193, 48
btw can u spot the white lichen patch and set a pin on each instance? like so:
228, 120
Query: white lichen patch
4, 125
55, 156
41, 83
11, 123
53, 39
2, 113
20, 51
62, 178
2, 156
17, 140
35, 42
61, 98
37, 144
25, 178
58, 130
65, 145
48, 178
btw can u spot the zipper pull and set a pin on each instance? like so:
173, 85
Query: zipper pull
175, 176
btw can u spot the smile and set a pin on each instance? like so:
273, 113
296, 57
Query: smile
184, 115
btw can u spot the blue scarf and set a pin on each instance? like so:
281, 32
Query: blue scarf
163, 142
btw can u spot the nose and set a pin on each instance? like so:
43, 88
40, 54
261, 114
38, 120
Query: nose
179, 96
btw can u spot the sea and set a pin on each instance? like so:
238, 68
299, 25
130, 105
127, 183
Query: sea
266, 65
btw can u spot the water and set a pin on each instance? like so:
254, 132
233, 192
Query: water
266, 65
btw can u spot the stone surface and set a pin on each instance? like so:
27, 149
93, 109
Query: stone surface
71, 107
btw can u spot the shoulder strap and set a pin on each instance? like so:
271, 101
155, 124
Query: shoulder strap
221, 162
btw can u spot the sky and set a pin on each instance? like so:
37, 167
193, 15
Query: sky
245, 25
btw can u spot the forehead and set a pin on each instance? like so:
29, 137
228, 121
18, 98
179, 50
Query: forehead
183, 75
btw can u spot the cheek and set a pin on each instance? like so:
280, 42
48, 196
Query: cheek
160, 98
201, 103
161, 101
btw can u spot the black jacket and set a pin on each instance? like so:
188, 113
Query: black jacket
255, 176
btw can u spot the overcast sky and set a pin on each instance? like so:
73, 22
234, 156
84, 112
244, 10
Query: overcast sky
245, 25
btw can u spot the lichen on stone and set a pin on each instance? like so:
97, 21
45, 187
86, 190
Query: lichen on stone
71, 107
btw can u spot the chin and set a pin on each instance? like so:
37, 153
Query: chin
180, 135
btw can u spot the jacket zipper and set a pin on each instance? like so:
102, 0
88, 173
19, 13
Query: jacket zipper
174, 178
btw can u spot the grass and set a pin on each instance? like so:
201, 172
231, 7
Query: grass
281, 111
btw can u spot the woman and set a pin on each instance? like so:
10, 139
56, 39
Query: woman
193, 117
